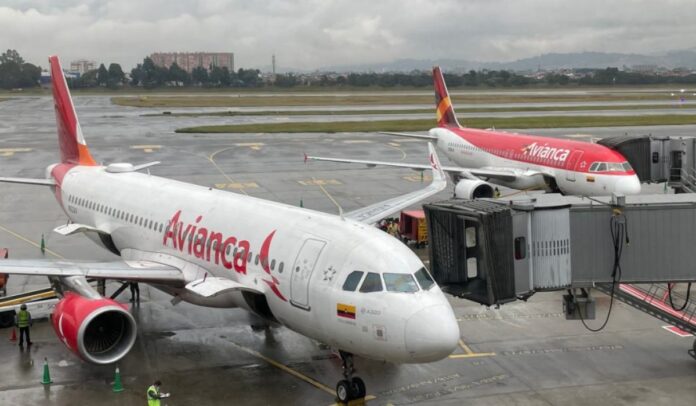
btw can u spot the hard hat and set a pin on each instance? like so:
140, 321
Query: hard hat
23, 306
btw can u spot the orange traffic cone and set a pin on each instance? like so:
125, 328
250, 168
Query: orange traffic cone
13, 336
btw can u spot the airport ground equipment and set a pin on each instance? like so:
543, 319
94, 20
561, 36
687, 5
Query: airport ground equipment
658, 159
3, 276
412, 227
494, 251
40, 302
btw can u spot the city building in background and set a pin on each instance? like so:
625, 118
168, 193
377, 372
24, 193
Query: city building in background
82, 66
190, 60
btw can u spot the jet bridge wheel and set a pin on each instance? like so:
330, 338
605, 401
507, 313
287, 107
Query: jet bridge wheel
351, 387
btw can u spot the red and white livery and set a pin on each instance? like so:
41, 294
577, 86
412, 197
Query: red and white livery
518, 161
336, 279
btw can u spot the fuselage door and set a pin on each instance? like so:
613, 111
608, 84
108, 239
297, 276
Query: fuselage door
572, 163
302, 272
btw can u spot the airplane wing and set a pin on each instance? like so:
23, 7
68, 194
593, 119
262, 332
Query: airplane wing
136, 271
502, 174
375, 212
421, 136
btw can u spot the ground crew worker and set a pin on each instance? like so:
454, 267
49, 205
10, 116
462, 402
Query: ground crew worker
496, 193
23, 322
135, 292
154, 395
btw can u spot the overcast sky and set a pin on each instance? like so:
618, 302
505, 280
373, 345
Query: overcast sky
309, 34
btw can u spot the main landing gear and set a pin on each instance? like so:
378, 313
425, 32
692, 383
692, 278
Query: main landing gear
350, 387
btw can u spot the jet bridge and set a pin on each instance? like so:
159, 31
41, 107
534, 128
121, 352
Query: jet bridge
494, 251
658, 159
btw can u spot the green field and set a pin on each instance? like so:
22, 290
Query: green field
362, 99
422, 125
414, 111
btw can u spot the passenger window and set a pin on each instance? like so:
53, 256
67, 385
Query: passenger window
424, 279
372, 283
272, 264
400, 282
352, 281
280, 267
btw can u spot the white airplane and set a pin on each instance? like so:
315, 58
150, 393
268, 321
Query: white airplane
336, 279
516, 161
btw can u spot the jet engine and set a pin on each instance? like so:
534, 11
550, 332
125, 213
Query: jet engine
100, 331
472, 189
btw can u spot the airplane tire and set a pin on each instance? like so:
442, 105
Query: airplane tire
359, 389
344, 391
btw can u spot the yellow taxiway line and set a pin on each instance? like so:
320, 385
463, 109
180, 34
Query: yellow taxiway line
470, 354
28, 241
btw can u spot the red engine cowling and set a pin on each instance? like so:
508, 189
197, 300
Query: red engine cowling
100, 331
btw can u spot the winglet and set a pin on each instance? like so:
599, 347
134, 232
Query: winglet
73, 148
443, 105
438, 173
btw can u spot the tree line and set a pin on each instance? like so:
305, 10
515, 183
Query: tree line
16, 73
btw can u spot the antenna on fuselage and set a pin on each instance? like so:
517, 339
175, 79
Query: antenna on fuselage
340, 209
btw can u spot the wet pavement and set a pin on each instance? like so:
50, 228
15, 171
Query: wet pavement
520, 354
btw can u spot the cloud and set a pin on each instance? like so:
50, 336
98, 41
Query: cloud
309, 34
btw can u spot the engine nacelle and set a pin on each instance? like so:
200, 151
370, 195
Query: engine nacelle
472, 189
100, 331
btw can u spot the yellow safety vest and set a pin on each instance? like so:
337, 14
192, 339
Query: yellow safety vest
23, 319
150, 400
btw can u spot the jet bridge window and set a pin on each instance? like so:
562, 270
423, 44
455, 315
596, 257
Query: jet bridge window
400, 282
372, 283
352, 281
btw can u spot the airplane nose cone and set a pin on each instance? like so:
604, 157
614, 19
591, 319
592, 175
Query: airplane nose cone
432, 333
628, 185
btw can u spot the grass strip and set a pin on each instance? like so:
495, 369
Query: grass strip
367, 100
421, 125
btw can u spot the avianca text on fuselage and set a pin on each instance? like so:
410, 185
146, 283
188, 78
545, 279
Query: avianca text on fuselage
199, 242
546, 152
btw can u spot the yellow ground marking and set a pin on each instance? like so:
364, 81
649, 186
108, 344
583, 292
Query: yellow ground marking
417, 178
319, 182
236, 185
286, 368
146, 148
357, 142
397, 146
355, 402
253, 145
19, 300
11, 151
28, 241
211, 158
470, 354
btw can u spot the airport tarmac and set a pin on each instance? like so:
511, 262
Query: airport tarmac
520, 354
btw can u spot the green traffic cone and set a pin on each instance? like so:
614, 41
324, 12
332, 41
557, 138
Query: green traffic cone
118, 387
43, 245
46, 375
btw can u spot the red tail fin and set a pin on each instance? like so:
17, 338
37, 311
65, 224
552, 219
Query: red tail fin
443, 104
73, 149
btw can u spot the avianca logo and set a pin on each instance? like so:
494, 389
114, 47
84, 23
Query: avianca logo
546, 152
214, 247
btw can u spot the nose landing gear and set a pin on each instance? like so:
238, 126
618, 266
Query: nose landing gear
350, 387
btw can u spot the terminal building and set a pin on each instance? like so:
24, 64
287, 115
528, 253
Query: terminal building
191, 60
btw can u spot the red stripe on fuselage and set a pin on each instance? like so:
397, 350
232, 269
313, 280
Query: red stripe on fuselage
542, 151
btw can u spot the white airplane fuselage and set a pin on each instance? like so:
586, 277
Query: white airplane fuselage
298, 259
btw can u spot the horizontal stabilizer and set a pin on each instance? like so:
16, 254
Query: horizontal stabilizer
29, 181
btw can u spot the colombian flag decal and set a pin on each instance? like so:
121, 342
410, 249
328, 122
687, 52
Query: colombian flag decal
345, 311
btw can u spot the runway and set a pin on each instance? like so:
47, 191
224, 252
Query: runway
521, 354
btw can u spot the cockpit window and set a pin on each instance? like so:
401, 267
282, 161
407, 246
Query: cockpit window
424, 279
610, 167
352, 281
372, 283
602, 167
593, 167
400, 282
615, 167
627, 167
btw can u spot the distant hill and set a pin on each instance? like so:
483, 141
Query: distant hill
672, 59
